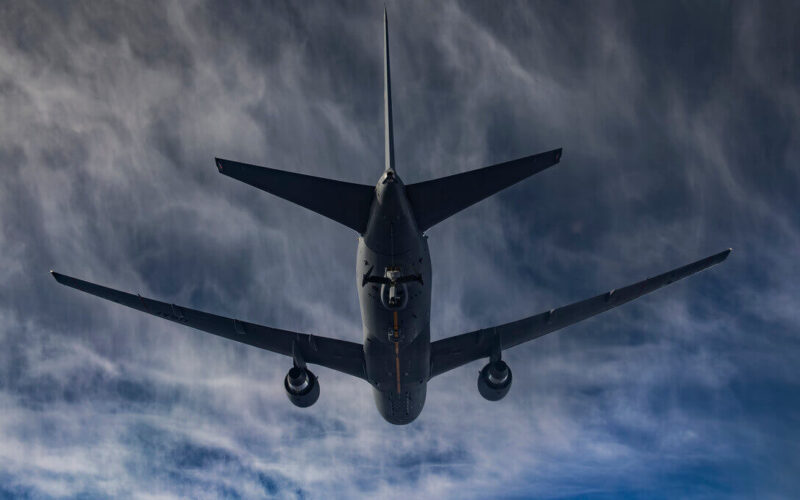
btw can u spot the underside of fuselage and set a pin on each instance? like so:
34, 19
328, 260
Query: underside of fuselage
393, 276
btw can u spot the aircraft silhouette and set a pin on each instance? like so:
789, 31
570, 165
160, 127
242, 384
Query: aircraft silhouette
393, 278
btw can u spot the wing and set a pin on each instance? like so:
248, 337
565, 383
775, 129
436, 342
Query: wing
453, 352
340, 355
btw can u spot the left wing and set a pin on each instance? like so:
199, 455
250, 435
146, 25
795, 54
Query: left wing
453, 352
340, 355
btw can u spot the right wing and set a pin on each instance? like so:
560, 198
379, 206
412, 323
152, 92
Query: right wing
453, 352
340, 355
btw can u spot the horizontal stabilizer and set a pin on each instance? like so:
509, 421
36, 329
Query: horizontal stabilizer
344, 202
340, 355
453, 352
435, 200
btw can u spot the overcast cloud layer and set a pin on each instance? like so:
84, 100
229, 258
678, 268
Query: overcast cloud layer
681, 133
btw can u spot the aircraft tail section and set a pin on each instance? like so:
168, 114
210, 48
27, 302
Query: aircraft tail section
435, 200
344, 202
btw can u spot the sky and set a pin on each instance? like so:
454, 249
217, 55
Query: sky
680, 124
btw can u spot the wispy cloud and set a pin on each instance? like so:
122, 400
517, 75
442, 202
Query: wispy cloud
680, 136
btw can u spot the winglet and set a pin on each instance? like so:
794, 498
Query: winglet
722, 255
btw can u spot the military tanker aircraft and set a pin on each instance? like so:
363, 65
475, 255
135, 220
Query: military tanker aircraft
393, 279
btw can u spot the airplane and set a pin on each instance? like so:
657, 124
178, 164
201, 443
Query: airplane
393, 279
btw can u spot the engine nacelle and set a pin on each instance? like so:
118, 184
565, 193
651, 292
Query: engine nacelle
301, 386
494, 380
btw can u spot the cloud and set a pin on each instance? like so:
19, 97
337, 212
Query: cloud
679, 130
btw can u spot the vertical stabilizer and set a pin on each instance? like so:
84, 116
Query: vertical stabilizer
387, 98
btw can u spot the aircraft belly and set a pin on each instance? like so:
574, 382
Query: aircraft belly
381, 321
403, 408
396, 340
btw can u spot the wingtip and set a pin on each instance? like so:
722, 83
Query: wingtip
218, 162
558, 154
724, 254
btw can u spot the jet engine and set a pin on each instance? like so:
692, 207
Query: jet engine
301, 386
494, 380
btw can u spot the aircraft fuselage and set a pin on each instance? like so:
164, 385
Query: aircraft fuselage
393, 277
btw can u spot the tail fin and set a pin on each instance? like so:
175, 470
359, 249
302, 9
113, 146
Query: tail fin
387, 98
344, 202
435, 200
